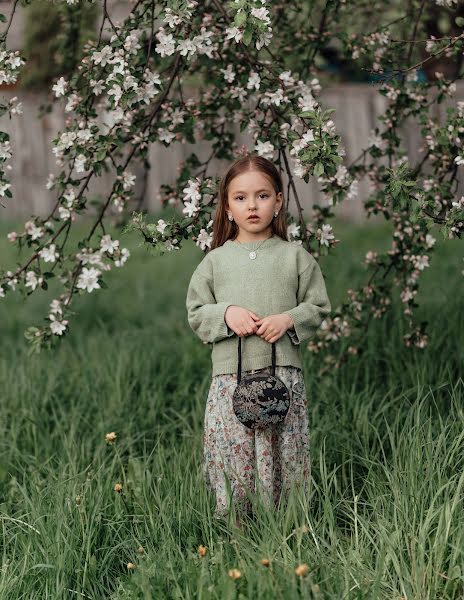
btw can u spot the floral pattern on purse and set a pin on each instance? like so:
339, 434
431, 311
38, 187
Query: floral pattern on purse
260, 399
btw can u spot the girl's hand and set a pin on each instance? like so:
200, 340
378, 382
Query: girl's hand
273, 327
241, 320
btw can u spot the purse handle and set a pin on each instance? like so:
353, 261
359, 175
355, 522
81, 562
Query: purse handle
239, 375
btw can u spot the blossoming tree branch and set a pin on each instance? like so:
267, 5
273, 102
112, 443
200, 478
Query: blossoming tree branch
256, 60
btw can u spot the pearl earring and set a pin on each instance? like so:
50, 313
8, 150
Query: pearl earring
231, 218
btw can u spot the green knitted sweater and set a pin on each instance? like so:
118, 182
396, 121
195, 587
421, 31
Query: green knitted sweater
283, 278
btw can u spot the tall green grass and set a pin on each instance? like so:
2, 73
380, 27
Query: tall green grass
384, 517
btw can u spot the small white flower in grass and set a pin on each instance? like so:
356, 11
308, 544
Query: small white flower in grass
57, 327
88, 279
325, 234
12, 236
2, 292
123, 257
459, 160
48, 253
60, 87
108, 245
32, 280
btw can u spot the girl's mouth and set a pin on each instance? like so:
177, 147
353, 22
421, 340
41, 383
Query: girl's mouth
253, 218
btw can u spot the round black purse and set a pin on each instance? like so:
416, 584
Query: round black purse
260, 399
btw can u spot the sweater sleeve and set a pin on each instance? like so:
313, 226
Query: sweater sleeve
313, 304
205, 315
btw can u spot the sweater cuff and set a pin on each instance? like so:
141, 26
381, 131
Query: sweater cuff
223, 330
293, 333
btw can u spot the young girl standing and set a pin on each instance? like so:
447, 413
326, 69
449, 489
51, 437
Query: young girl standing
255, 284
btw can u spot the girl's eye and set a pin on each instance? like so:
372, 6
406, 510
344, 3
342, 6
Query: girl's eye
265, 196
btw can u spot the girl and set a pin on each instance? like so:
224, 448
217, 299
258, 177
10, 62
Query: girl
255, 284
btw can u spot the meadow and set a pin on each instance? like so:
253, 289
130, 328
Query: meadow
384, 518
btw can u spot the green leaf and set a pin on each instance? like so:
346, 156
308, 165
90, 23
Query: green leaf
240, 18
247, 35
459, 21
318, 169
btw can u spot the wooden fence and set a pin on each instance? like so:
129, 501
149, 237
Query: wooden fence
358, 107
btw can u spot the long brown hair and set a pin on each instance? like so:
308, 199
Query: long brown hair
223, 229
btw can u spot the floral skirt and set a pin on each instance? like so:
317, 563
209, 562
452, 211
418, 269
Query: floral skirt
237, 459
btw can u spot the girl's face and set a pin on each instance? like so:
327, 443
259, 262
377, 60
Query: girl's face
250, 193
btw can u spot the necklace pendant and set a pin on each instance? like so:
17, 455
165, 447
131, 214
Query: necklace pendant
252, 255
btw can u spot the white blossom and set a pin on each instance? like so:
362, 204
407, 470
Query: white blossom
192, 191
166, 45
34, 231
88, 279
48, 253
4, 185
123, 257
253, 81
32, 280
234, 32
60, 87
325, 234
204, 239
57, 327
108, 245
55, 307
265, 149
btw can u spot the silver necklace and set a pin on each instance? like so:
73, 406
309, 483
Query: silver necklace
252, 253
